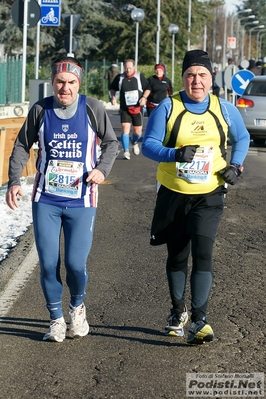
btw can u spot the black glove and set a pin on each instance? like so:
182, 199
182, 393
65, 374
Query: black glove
231, 174
186, 153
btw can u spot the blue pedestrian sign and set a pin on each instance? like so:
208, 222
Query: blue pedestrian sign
240, 80
50, 15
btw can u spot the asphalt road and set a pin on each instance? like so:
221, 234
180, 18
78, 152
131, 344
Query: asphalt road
126, 355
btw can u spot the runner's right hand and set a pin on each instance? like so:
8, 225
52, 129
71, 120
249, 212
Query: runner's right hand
11, 196
186, 153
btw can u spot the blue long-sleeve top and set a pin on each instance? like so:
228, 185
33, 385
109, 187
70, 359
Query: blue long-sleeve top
153, 148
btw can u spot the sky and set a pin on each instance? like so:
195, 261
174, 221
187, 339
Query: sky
232, 5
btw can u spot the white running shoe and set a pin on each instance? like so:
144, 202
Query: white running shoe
127, 155
57, 331
136, 149
79, 326
176, 323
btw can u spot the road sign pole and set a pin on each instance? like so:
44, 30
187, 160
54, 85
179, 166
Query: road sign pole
24, 55
37, 49
25, 14
71, 21
71, 34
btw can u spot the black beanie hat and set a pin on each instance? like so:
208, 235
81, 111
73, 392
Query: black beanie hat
196, 57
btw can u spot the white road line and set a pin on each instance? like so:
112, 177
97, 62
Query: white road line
18, 281
252, 152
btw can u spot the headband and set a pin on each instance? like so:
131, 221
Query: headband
159, 67
67, 67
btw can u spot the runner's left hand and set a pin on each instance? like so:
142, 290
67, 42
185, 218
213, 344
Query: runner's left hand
230, 174
95, 176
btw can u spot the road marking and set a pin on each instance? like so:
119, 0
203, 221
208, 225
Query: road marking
252, 152
18, 282
108, 181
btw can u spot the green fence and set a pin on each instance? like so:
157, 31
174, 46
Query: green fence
93, 82
10, 80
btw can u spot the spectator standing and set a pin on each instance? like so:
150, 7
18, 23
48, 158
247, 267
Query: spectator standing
230, 61
187, 136
253, 67
160, 86
110, 74
70, 166
259, 66
215, 87
263, 66
134, 90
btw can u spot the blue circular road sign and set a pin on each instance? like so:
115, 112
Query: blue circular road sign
240, 80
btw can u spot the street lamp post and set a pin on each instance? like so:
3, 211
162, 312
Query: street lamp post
189, 24
238, 32
247, 10
243, 34
158, 28
263, 34
173, 29
218, 48
225, 44
137, 15
205, 38
258, 55
235, 15
249, 39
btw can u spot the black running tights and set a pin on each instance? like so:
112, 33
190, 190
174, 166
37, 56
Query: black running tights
201, 273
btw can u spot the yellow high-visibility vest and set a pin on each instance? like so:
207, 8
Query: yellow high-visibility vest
208, 130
